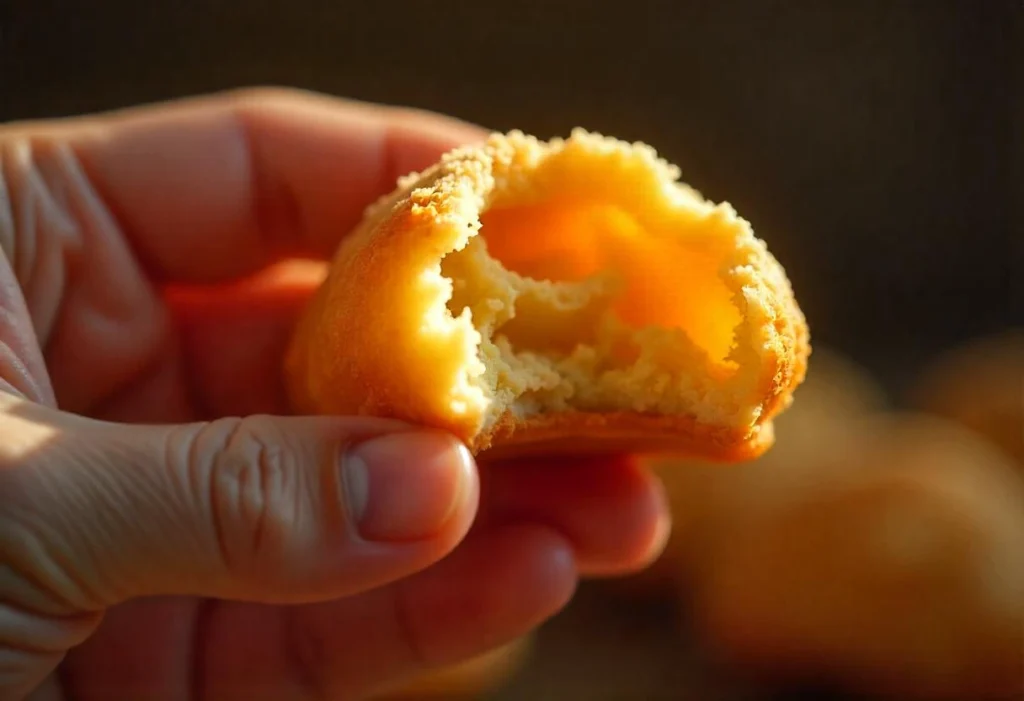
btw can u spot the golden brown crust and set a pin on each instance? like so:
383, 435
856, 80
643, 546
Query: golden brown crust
358, 350
619, 432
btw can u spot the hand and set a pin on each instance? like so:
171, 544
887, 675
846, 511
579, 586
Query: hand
145, 299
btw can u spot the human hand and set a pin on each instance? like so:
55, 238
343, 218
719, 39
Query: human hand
179, 552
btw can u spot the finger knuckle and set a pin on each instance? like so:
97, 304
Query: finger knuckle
255, 491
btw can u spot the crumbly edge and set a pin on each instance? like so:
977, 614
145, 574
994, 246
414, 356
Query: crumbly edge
773, 341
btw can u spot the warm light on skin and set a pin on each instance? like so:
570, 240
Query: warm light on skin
166, 314
670, 281
21, 435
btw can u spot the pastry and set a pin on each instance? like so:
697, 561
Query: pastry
901, 575
980, 385
568, 295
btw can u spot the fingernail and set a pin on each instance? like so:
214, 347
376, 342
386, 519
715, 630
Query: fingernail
405, 486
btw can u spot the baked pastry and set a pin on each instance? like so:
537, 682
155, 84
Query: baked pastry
568, 295
900, 575
980, 385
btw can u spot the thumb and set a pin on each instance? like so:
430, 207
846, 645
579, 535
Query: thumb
262, 508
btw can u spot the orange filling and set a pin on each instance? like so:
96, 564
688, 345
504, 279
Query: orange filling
669, 282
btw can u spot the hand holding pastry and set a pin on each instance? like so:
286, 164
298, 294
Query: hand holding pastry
154, 501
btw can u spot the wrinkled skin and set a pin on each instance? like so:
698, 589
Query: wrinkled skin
138, 285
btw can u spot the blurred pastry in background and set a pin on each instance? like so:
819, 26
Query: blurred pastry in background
980, 385
475, 678
901, 574
835, 393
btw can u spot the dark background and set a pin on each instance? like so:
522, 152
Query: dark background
876, 146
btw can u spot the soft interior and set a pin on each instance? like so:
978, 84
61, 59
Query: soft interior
579, 308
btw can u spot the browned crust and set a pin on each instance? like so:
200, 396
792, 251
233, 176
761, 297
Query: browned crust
353, 352
346, 356
619, 432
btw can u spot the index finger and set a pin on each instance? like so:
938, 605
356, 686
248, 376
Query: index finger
212, 188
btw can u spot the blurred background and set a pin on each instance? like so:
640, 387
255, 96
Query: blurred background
877, 146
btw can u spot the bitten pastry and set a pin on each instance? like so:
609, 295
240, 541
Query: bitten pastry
567, 295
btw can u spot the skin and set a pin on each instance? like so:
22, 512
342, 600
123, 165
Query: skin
146, 300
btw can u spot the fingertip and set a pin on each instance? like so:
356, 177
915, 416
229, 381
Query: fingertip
612, 509
655, 530
465, 495
410, 486
548, 561
643, 526
546, 571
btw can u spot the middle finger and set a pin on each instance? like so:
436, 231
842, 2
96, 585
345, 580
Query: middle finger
611, 508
